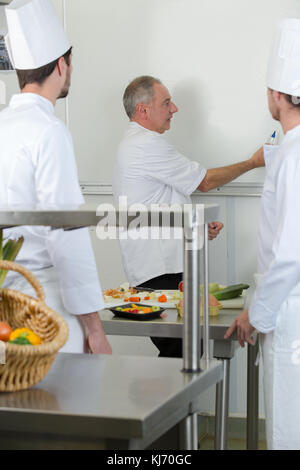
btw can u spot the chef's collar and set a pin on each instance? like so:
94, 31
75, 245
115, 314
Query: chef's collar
136, 125
31, 98
293, 131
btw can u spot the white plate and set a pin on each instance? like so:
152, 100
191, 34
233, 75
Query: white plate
167, 305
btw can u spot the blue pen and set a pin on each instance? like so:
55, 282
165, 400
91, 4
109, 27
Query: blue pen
272, 140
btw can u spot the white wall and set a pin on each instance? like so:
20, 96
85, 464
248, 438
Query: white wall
211, 54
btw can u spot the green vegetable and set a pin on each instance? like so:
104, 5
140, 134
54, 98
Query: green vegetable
212, 288
155, 308
21, 340
8, 252
230, 292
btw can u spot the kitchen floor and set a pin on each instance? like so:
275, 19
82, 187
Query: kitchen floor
207, 443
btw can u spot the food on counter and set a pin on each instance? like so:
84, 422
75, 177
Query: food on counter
214, 306
134, 299
5, 331
121, 292
162, 298
130, 294
231, 292
138, 309
212, 287
220, 292
24, 336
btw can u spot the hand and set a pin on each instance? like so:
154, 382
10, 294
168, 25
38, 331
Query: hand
214, 229
97, 344
96, 341
258, 158
244, 329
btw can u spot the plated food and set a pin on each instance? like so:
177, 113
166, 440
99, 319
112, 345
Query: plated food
137, 312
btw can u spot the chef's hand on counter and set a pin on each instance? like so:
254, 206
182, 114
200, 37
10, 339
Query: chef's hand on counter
97, 342
243, 327
214, 229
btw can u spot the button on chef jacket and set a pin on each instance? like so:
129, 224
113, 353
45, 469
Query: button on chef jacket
38, 167
149, 170
279, 240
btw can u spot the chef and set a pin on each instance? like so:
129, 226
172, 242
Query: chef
275, 307
150, 170
38, 169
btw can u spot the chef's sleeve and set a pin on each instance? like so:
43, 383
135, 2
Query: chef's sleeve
70, 251
164, 163
284, 272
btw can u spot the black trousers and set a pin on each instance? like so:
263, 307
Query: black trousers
168, 347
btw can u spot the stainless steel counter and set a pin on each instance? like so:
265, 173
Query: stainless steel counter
170, 327
89, 215
114, 401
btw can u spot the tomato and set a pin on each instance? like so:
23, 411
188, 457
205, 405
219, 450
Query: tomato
5, 331
180, 286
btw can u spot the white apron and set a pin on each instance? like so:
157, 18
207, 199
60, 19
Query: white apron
49, 281
281, 367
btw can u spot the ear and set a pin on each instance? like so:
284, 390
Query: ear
277, 96
142, 111
61, 65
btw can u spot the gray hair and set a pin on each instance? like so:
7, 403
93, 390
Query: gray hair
140, 90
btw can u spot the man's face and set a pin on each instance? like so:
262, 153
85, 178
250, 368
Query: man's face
161, 109
273, 106
65, 90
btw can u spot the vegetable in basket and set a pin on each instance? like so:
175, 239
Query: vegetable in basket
8, 252
24, 336
5, 331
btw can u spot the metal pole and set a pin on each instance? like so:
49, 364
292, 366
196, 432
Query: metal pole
222, 398
206, 350
252, 397
189, 433
191, 327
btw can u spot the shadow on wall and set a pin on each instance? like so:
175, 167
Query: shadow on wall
193, 124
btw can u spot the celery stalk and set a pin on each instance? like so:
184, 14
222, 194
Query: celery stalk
9, 252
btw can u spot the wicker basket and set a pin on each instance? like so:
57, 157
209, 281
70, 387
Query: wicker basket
27, 365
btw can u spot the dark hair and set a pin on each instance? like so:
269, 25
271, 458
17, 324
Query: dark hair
42, 73
293, 100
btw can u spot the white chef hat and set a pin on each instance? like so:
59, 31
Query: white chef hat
284, 64
35, 34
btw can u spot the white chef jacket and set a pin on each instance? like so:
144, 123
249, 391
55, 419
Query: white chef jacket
279, 240
38, 167
149, 170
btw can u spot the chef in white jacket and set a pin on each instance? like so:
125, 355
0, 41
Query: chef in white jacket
149, 170
37, 168
275, 307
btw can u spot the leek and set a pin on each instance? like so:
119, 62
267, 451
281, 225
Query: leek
8, 252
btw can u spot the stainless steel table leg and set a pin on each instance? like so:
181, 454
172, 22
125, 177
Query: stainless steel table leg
252, 397
189, 433
222, 407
